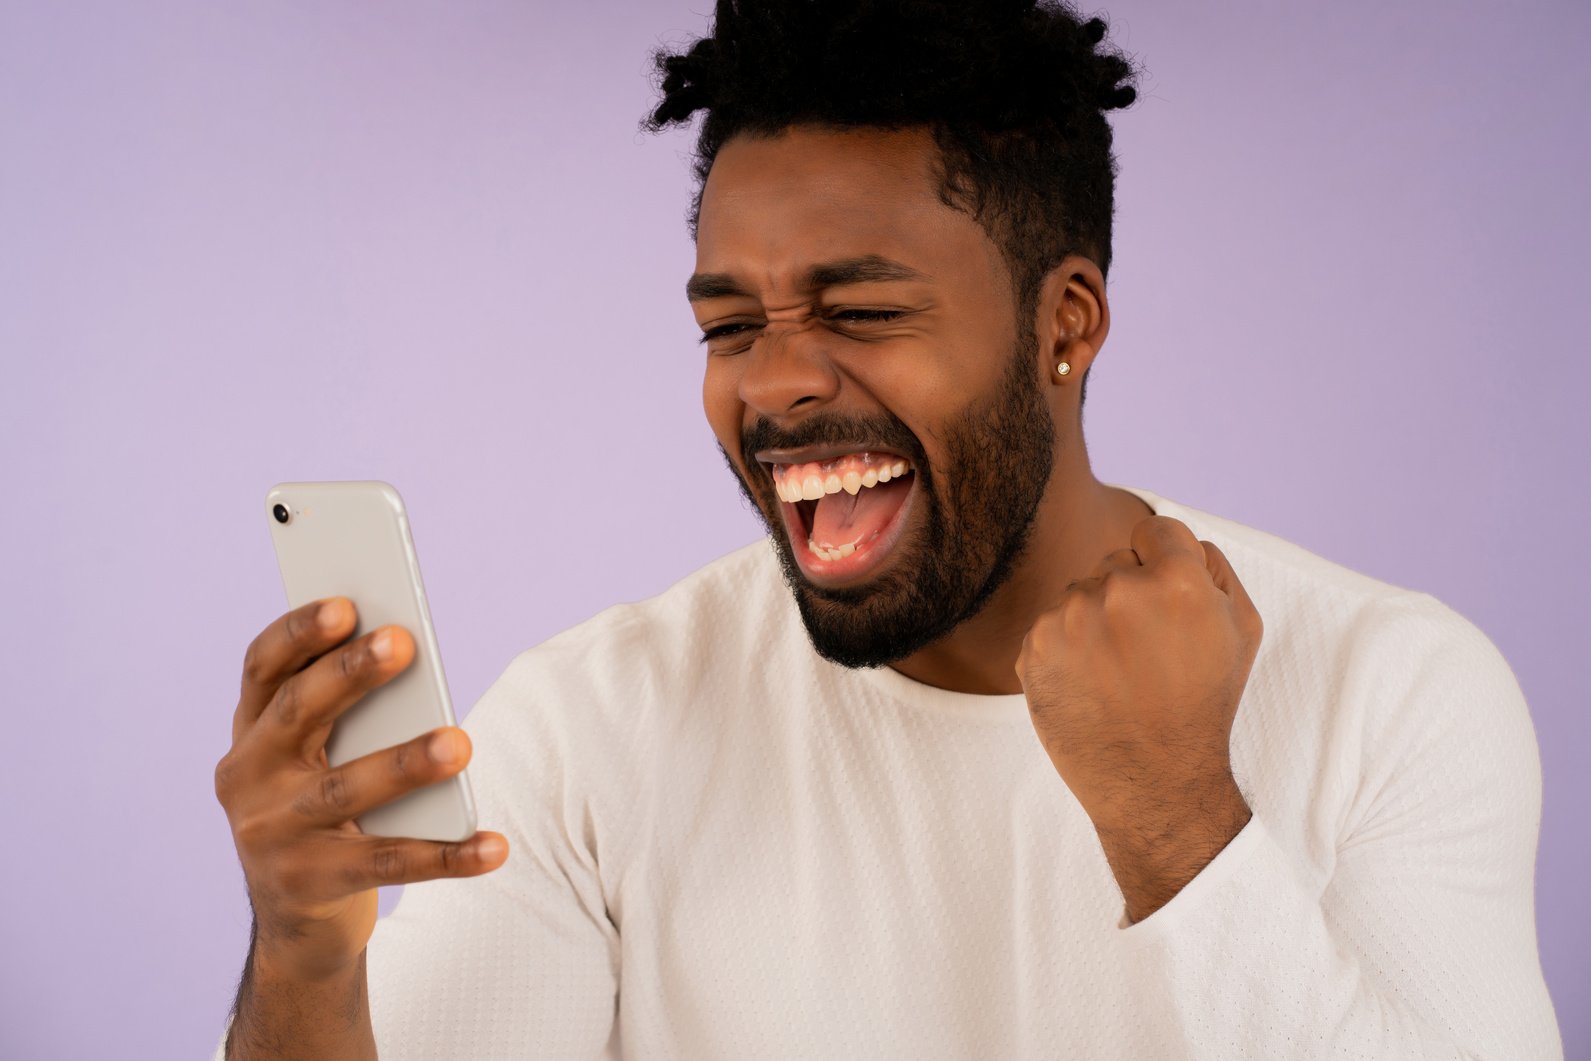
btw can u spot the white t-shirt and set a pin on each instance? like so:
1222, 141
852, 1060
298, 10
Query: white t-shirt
723, 846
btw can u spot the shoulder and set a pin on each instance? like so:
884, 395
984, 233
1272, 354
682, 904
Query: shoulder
1393, 672
1325, 608
612, 672
731, 603
592, 732
1280, 568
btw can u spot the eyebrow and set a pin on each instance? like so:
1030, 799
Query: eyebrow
869, 268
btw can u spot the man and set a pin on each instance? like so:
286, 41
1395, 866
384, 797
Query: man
795, 807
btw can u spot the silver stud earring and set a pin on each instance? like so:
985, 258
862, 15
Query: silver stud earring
1063, 368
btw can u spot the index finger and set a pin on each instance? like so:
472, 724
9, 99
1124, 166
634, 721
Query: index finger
1157, 539
283, 648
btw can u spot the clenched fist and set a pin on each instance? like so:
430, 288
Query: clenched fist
1132, 681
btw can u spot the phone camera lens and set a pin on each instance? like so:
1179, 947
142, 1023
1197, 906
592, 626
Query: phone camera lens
281, 513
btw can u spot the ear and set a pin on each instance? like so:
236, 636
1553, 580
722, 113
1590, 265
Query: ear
1073, 319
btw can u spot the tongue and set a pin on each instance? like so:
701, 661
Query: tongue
840, 518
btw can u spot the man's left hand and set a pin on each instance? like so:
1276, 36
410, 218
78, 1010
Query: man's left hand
1132, 681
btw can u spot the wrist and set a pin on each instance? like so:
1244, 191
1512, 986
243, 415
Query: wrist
286, 1011
283, 964
1173, 810
1155, 850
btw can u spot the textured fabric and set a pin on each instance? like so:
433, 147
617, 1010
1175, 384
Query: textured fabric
725, 847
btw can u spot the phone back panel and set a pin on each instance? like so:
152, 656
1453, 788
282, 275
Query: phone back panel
351, 539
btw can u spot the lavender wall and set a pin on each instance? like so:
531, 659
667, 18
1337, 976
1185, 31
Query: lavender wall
249, 242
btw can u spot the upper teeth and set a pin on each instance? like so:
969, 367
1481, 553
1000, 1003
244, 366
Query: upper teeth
808, 482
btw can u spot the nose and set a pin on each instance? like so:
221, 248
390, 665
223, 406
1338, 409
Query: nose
787, 370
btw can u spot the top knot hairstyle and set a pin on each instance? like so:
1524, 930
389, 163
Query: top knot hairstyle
1014, 93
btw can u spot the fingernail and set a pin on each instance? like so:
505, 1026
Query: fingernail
330, 616
491, 848
381, 645
444, 747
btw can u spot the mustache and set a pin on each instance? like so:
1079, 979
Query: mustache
836, 429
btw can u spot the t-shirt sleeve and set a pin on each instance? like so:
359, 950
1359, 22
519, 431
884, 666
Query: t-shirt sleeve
1420, 941
523, 961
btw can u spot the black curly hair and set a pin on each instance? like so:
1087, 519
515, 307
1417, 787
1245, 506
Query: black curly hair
1014, 93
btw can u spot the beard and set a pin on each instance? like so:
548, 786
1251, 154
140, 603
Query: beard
977, 513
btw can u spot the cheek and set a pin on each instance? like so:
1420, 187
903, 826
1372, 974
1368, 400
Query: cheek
721, 402
960, 357
917, 385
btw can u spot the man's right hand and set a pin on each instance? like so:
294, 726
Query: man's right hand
311, 873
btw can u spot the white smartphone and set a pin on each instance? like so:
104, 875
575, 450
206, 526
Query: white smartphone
351, 539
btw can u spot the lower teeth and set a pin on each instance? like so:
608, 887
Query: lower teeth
841, 551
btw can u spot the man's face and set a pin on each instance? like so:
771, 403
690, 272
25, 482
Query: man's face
868, 383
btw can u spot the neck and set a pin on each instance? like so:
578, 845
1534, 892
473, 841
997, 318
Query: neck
1079, 522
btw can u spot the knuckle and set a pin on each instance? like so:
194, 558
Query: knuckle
1072, 606
353, 662
225, 777
387, 862
408, 763
335, 792
1035, 642
1183, 581
450, 858
297, 626
1039, 635
1082, 621
290, 701
254, 667
331, 792
251, 832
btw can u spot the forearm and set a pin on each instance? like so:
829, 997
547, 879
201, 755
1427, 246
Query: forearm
281, 1016
1399, 968
1155, 850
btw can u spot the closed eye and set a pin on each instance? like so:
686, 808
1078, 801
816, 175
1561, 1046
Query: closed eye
722, 331
866, 314
846, 316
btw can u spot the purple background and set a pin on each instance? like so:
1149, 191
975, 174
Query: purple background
250, 242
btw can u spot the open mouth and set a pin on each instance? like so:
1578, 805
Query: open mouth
848, 511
